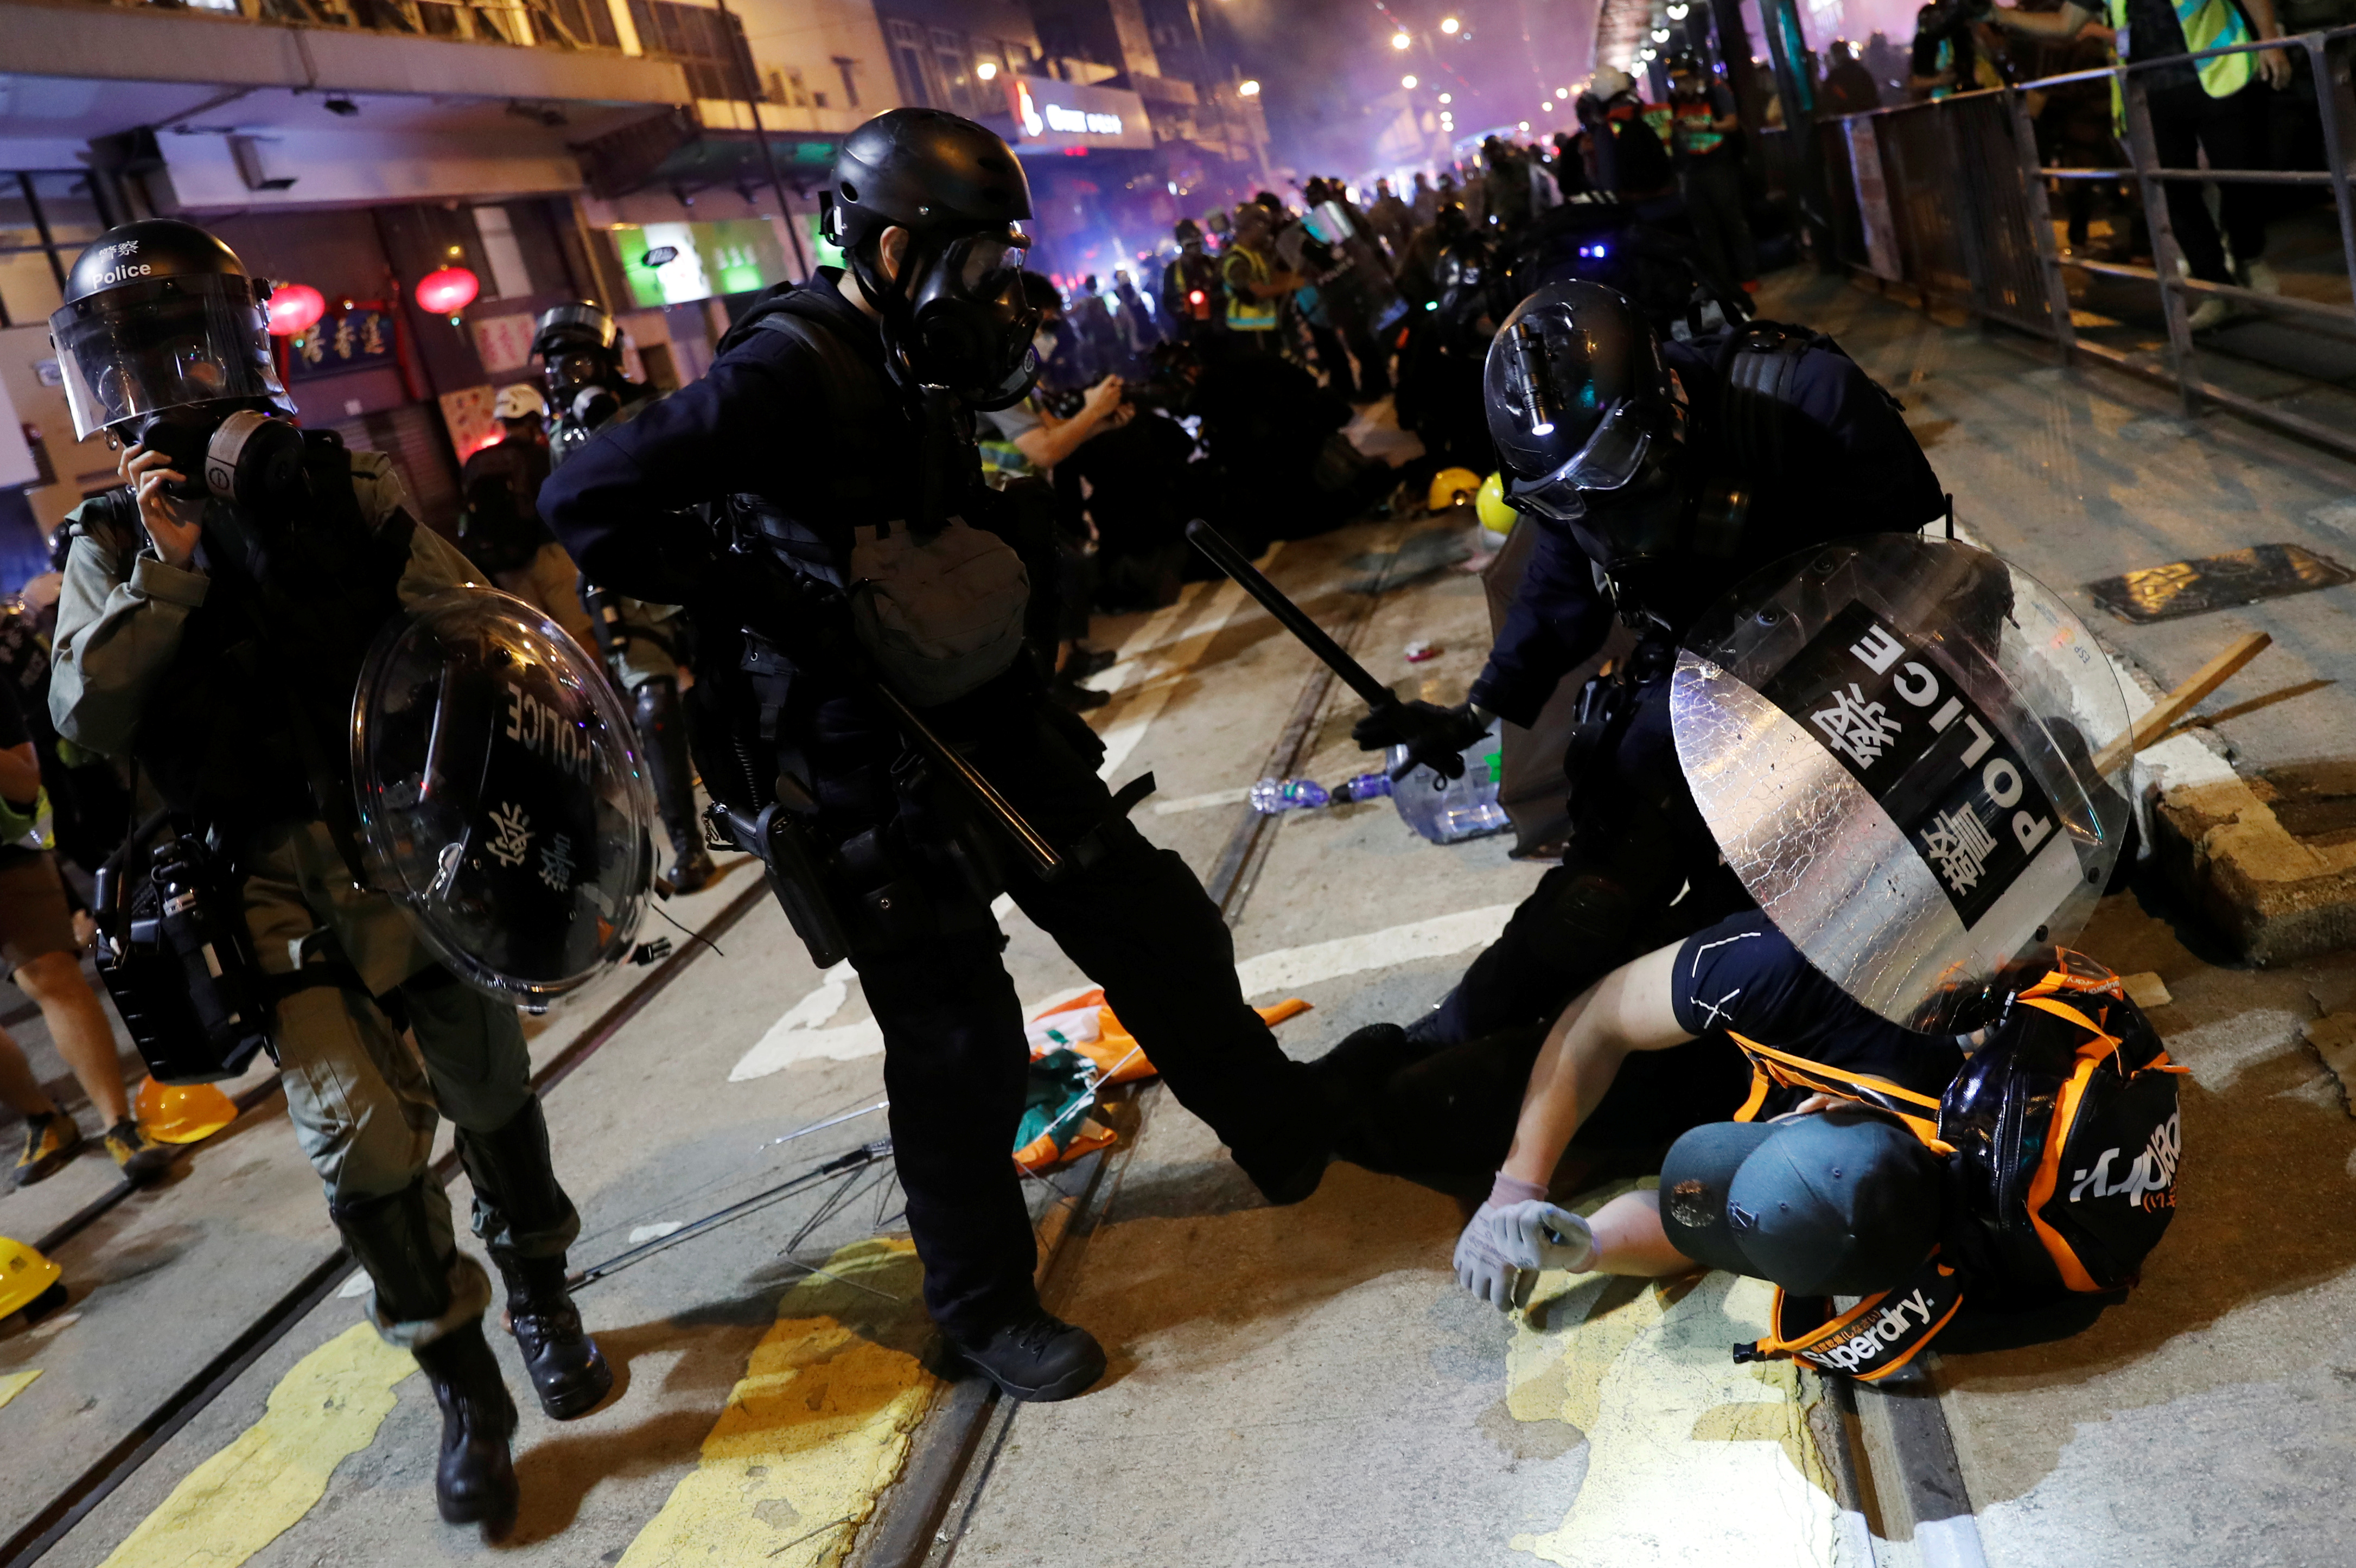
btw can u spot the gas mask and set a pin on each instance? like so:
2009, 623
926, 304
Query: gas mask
579, 383
955, 317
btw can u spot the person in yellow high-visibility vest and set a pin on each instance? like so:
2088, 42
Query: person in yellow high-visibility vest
2212, 106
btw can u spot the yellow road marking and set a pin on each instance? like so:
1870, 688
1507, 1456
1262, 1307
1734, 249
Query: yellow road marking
1643, 1370
818, 1425
15, 1383
325, 1409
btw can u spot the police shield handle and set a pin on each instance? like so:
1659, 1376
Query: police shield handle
2180, 702
1290, 616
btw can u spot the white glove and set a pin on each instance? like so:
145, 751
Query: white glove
1506, 1247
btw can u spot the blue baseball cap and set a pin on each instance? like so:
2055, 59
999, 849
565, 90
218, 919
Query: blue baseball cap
1843, 1202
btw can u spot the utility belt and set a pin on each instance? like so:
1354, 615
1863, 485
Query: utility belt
949, 844
1608, 702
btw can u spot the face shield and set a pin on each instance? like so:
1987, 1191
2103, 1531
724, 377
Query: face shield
1613, 457
145, 347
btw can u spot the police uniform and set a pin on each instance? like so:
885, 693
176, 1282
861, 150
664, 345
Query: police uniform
797, 428
136, 637
1818, 452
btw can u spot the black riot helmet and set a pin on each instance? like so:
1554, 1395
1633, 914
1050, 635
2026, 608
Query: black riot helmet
1582, 409
579, 345
162, 341
161, 317
953, 315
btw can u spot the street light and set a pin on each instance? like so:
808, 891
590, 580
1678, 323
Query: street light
1247, 89
1562, 92
1448, 98
1408, 83
1449, 24
987, 71
1400, 40
1660, 35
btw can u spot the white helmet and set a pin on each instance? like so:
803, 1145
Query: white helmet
520, 401
1610, 82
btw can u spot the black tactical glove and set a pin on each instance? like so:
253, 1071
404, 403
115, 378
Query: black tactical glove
1433, 736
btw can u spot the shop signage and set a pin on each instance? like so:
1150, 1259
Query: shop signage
503, 343
355, 339
1052, 116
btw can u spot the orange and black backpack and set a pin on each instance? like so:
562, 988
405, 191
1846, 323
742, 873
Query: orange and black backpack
2061, 1136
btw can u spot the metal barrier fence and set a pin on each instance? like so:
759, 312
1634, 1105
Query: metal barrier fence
1950, 199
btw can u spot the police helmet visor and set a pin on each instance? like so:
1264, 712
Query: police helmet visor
569, 371
1613, 454
164, 343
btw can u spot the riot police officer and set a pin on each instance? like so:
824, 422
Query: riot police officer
1659, 475
579, 345
214, 620
834, 432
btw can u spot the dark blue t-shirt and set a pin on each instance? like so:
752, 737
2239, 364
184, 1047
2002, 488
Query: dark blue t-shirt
1745, 976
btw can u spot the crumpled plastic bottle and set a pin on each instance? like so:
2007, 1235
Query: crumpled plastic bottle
1271, 795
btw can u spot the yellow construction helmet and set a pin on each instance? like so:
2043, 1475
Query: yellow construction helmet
1495, 515
26, 1279
182, 1113
1451, 487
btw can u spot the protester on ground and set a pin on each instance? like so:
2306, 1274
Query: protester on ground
2212, 111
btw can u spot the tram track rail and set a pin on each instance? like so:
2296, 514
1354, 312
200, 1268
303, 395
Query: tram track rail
99, 1480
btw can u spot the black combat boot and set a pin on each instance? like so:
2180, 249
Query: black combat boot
516, 1193
474, 1482
568, 1370
1038, 1358
662, 727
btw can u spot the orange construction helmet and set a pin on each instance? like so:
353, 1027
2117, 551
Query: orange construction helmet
182, 1113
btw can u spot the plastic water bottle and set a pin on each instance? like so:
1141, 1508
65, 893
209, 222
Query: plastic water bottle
1448, 811
1271, 795
1364, 786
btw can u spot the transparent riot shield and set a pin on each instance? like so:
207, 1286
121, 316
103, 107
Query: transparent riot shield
502, 793
1893, 740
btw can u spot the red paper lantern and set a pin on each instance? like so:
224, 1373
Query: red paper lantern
448, 289
294, 309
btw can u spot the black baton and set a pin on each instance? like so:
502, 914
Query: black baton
1294, 618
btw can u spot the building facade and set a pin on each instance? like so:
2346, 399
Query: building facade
666, 156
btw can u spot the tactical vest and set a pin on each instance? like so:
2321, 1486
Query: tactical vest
248, 726
2208, 24
1244, 313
